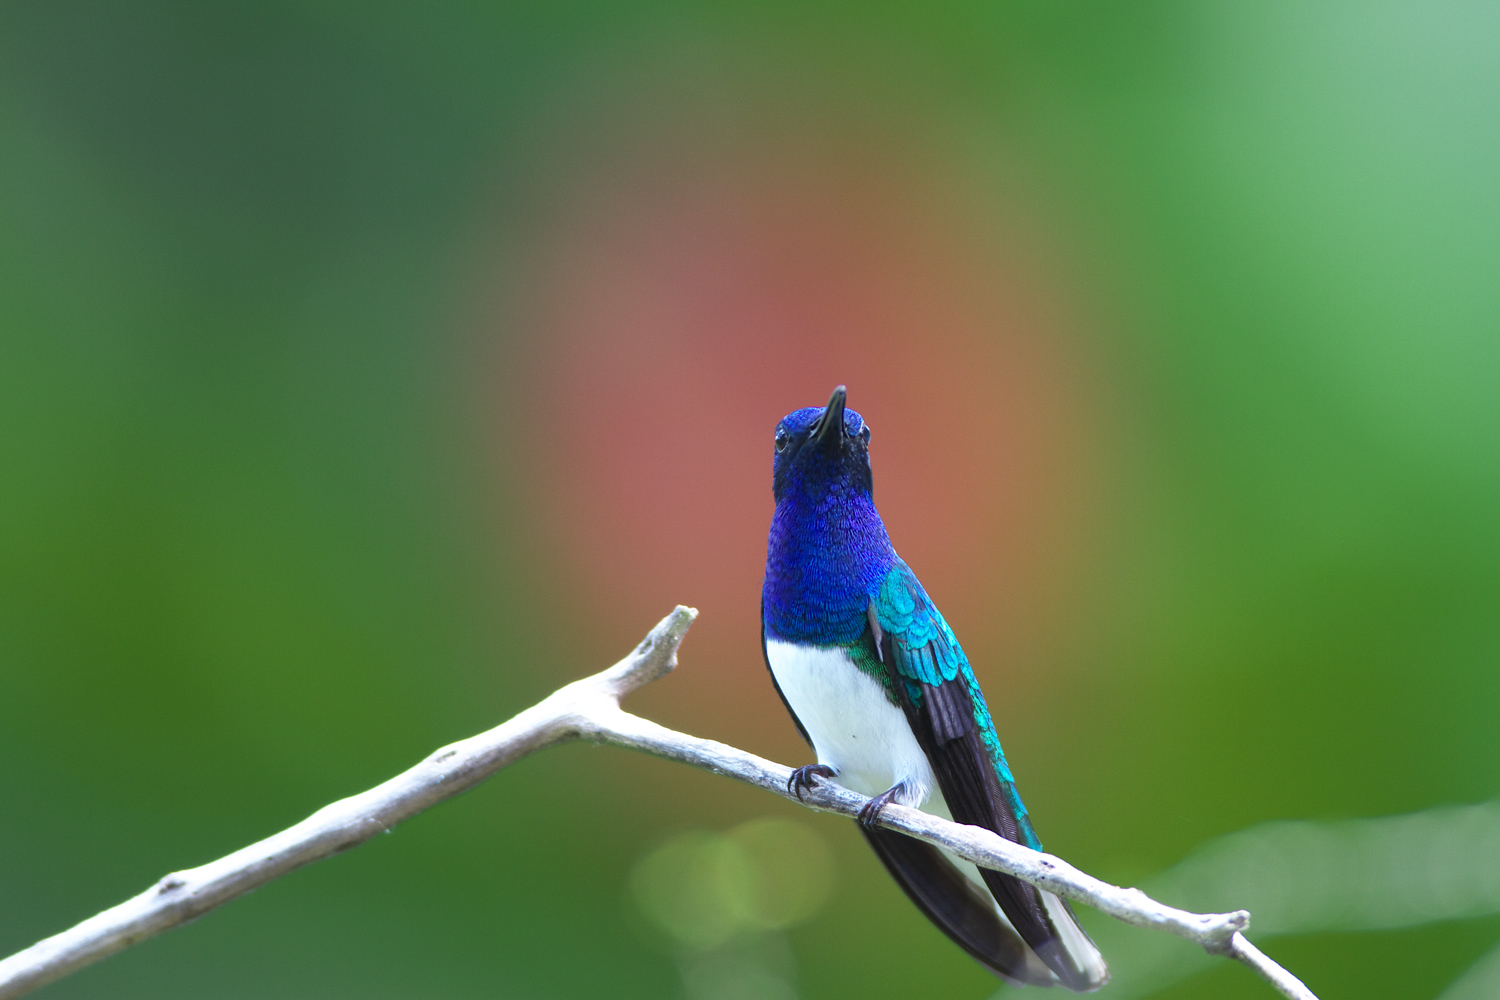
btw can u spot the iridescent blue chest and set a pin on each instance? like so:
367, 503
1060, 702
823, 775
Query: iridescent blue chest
825, 563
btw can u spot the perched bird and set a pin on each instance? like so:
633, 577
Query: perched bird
877, 683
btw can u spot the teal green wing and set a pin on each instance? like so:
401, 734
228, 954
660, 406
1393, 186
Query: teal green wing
936, 685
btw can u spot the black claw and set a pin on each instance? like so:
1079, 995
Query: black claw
805, 778
869, 813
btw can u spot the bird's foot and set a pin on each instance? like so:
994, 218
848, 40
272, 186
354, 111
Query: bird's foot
869, 813
806, 777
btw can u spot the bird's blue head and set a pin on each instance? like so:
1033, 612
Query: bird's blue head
822, 450
828, 550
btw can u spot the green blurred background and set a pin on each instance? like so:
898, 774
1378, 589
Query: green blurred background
369, 370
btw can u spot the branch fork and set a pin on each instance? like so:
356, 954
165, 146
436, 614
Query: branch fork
588, 709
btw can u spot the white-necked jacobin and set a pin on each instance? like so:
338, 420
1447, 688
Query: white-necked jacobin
877, 683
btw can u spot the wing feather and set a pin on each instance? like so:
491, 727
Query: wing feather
951, 721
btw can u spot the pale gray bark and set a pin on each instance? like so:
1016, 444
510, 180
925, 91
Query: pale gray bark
588, 709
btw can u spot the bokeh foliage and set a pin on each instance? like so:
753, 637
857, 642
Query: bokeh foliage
261, 542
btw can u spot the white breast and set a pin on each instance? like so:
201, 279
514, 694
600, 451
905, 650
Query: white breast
854, 727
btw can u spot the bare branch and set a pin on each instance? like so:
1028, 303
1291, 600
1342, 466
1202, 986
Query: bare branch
587, 709
1283, 981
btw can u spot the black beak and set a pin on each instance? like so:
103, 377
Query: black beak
831, 424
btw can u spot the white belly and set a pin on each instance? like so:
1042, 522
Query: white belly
854, 727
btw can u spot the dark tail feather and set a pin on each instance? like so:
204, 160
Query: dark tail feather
1049, 926
957, 906
1045, 922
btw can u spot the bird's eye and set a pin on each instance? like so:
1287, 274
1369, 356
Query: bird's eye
864, 435
781, 440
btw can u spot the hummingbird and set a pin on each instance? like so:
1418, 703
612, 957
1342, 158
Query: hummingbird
878, 685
